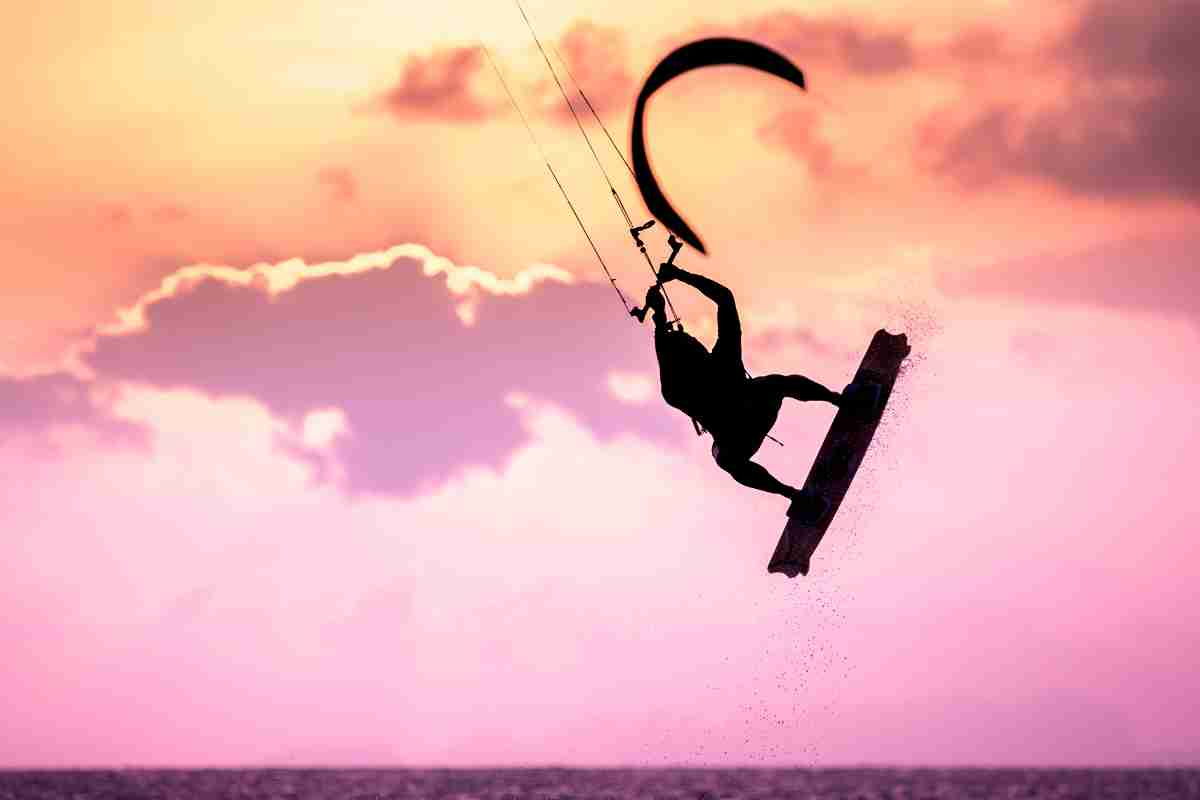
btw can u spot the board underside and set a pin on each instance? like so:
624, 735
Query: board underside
837, 461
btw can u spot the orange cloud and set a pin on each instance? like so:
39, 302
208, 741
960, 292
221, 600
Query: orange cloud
341, 183
445, 84
169, 213
852, 45
596, 57
797, 131
440, 85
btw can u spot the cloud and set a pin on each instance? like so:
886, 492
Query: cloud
321, 427
440, 85
773, 338
797, 131
976, 46
169, 213
274, 279
853, 46
340, 182
1036, 347
596, 56
445, 84
580, 585
116, 216
415, 353
1161, 275
1126, 123
36, 405
123, 216
831, 51
196, 573
634, 388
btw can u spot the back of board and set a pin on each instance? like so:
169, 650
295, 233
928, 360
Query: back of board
840, 455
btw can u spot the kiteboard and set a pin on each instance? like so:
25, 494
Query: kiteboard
840, 455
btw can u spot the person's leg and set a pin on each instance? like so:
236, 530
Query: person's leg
756, 476
748, 473
799, 388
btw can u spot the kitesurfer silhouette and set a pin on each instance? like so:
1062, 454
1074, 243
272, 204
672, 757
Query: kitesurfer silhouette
714, 389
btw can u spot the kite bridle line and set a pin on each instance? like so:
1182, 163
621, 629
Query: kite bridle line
634, 230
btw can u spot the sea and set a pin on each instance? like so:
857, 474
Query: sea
597, 784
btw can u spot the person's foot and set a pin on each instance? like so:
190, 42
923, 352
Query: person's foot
860, 397
807, 507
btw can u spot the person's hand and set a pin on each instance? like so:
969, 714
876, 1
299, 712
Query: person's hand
667, 272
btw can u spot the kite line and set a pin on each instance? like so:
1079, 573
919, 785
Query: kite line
554, 175
634, 230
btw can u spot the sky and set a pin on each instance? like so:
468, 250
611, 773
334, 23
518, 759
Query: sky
324, 441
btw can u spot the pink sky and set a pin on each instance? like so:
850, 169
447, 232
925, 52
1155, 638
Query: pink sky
323, 441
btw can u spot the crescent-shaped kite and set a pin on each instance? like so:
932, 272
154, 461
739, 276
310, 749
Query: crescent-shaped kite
701, 53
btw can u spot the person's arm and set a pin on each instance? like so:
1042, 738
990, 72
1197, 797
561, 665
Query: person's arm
714, 291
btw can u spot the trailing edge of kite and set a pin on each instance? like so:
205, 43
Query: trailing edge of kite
701, 53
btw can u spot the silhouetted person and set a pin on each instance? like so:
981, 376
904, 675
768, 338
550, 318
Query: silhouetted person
714, 389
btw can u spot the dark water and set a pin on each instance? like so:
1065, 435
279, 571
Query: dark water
608, 784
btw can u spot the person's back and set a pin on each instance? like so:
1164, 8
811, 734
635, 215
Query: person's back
685, 373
